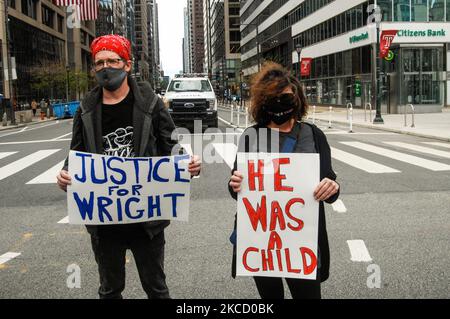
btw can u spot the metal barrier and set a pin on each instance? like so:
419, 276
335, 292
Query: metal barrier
351, 120
246, 117
231, 120
412, 113
370, 112
349, 105
329, 118
314, 114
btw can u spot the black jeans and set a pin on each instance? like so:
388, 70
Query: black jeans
272, 288
149, 256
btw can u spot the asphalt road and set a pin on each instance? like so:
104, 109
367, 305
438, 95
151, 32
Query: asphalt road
400, 219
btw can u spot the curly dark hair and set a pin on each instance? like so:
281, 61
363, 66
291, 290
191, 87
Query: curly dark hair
269, 83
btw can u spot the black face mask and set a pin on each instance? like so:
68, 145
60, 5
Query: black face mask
110, 78
280, 109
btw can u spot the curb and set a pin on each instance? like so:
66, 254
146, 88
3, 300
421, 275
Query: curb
12, 127
392, 130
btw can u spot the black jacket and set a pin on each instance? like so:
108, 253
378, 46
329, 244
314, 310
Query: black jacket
326, 171
152, 126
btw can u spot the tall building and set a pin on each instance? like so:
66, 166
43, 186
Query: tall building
223, 45
340, 38
141, 31
39, 38
197, 35
187, 52
153, 44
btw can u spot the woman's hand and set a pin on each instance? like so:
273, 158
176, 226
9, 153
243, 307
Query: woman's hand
325, 189
194, 166
63, 179
236, 181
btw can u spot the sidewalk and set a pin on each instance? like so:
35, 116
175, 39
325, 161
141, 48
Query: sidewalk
35, 120
430, 125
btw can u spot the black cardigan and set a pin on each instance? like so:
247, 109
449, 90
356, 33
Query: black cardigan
326, 171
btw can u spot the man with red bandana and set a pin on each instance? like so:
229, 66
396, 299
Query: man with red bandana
122, 117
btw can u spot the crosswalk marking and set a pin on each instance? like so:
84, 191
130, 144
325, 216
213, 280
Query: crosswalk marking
65, 220
24, 162
445, 145
49, 176
421, 149
6, 154
339, 207
358, 251
410, 159
7, 257
360, 163
227, 151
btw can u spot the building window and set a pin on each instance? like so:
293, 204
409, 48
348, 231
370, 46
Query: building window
12, 3
419, 10
402, 10
60, 24
386, 9
47, 17
29, 8
437, 10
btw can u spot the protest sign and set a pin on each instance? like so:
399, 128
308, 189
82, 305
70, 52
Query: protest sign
277, 215
117, 190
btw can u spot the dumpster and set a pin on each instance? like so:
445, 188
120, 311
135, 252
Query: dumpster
65, 110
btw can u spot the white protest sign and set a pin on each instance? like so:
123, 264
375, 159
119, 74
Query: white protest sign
277, 215
117, 190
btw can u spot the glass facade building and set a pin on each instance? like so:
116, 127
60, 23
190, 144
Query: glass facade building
337, 37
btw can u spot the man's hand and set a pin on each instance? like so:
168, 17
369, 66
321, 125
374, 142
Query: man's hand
325, 189
236, 181
194, 166
63, 179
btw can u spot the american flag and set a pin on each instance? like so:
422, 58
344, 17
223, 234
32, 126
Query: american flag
66, 3
87, 10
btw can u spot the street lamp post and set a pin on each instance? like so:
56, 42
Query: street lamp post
67, 83
378, 119
298, 48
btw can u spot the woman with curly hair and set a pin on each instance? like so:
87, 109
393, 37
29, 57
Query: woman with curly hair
278, 105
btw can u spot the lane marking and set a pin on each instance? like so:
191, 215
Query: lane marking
24, 129
31, 129
7, 257
227, 151
358, 251
409, 159
420, 149
24, 162
6, 154
49, 176
57, 138
360, 162
446, 145
339, 207
37, 141
65, 220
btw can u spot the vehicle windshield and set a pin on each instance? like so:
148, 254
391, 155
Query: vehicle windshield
189, 86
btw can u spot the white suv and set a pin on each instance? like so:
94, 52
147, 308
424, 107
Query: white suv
189, 98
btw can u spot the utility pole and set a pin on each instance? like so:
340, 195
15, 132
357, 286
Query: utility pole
8, 60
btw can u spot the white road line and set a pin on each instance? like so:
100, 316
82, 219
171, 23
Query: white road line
7, 257
36, 141
49, 176
65, 220
24, 162
227, 151
31, 129
339, 207
358, 251
410, 159
445, 145
24, 129
361, 163
420, 149
6, 154
57, 138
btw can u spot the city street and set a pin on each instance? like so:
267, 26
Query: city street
393, 215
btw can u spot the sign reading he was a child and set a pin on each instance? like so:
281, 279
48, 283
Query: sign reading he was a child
277, 218
117, 190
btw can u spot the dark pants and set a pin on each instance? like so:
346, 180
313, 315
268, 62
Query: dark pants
272, 288
149, 256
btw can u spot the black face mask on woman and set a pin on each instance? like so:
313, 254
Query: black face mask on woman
110, 78
280, 109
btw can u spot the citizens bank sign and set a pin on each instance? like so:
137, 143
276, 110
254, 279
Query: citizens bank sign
422, 33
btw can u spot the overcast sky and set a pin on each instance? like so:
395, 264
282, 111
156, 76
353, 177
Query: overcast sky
171, 32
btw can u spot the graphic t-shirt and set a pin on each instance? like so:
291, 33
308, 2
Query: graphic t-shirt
118, 136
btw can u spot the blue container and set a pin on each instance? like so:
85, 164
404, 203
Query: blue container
65, 110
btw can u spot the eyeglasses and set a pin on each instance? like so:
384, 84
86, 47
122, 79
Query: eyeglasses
100, 64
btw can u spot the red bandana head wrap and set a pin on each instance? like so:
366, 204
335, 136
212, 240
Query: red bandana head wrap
114, 43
